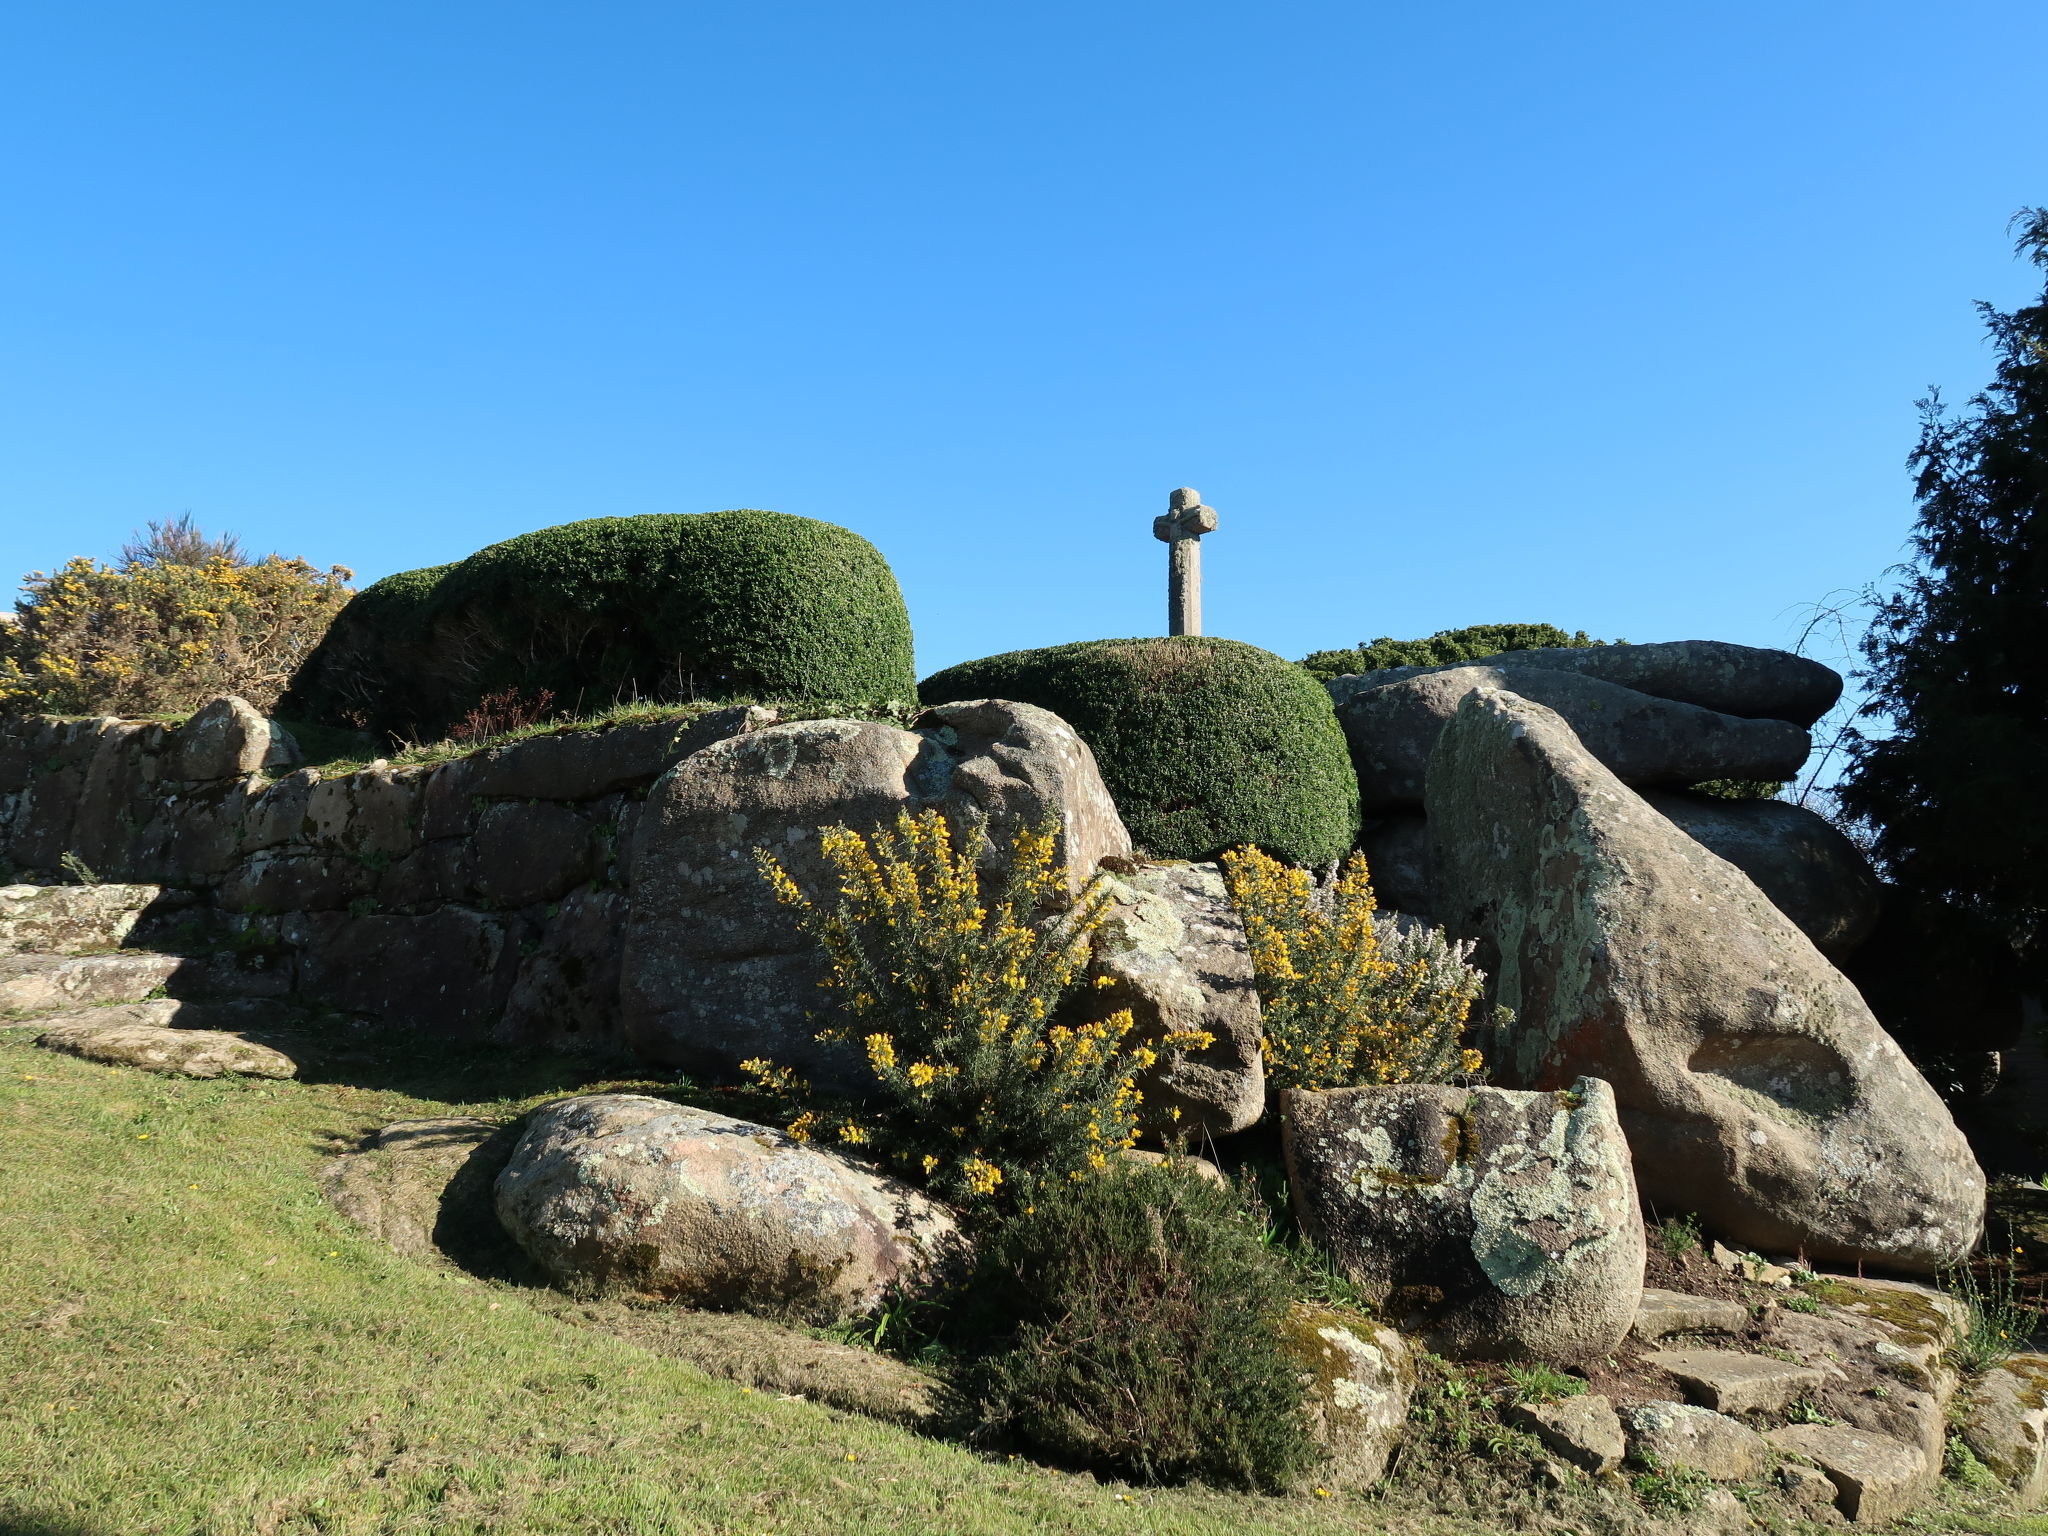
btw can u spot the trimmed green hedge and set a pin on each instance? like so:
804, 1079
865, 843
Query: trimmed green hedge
712, 605
1205, 743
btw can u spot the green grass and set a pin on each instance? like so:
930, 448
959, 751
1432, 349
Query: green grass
196, 1343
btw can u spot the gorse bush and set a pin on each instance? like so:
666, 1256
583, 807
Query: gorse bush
157, 635
1349, 1000
1474, 643
1135, 1323
977, 1090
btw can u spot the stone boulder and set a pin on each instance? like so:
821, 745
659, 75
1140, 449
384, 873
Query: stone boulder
225, 739
128, 1035
1172, 949
1662, 1434
1393, 728
714, 970
1876, 1478
1755, 1087
1357, 1378
621, 1193
1809, 870
1496, 1224
1751, 681
72, 919
1584, 1430
2006, 1425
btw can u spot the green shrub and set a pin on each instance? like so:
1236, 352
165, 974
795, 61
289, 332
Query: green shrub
1739, 789
1204, 743
1136, 1322
1473, 643
714, 605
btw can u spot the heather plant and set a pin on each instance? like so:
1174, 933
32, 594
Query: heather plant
156, 635
1349, 998
975, 1087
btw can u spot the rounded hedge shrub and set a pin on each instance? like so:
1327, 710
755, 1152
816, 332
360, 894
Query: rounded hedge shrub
711, 605
1206, 744
1134, 1327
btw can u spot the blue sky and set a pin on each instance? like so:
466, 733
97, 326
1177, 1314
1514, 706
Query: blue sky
1606, 314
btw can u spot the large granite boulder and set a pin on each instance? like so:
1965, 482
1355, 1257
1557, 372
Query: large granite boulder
1747, 680
615, 1192
1808, 869
225, 739
1644, 739
1755, 1087
714, 970
1172, 949
1497, 1224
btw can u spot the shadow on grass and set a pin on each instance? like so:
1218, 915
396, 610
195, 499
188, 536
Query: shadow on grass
13, 1524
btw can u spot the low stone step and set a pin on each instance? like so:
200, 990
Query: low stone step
1584, 1430
1680, 1435
1664, 1313
125, 1035
1876, 1478
73, 919
1729, 1381
31, 983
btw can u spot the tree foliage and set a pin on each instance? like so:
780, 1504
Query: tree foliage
1473, 643
1955, 654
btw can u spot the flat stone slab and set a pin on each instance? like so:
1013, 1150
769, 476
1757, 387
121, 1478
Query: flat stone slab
134, 1042
1585, 1431
44, 983
1680, 1435
1876, 1478
1664, 1313
1728, 1381
65, 919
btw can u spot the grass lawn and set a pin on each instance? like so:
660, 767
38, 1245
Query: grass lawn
194, 1342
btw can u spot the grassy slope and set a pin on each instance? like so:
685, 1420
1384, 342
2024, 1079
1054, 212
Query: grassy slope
194, 1342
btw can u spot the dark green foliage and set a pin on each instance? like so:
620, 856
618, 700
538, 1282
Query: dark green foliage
1472, 643
1139, 1316
1739, 789
1956, 653
1205, 744
715, 605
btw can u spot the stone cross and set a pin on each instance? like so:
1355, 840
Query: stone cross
1181, 530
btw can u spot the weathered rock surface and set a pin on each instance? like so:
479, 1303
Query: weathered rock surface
71, 919
1729, 1381
1754, 1085
1357, 1378
714, 971
126, 1035
39, 983
1396, 849
1876, 1478
617, 1192
1643, 740
225, 739
1664, 1313
2006, 1424
1496, 1224
1172, 949
1584, 1430
1745, 680
1808, 870
396, 1185
1680, 1435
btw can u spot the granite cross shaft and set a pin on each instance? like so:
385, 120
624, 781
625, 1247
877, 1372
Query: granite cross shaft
1181, 530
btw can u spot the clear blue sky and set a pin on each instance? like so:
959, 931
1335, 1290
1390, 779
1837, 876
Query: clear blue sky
1606, 314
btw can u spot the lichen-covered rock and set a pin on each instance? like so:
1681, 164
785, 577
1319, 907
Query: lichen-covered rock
1584, 1430
1808, 869
128, 1035
71, 919
1496, 1224
39, 983
1393, 728
1745, 680
1356, 1379
617, 1192
1876, 1478
225, 739
1664, 1434
1172, 949
714, 970
2006, 1425
1754, 1085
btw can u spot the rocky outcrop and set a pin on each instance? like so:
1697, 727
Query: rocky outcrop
1755, 1087
1746, 680
71, 919
1356, 1380
1172, 949
714, 970
1393, 728
1496, 1224
1806, 868
621, 1193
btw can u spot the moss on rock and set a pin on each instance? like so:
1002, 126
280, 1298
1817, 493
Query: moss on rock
1205, 744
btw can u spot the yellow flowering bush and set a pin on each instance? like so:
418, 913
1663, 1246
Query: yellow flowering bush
979, 1088
148, 637
1348, 1000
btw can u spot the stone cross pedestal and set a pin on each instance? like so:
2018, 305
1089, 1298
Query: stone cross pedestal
1181, 530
